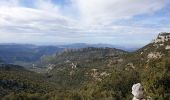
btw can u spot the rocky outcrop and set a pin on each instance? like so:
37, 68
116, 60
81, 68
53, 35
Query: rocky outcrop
50, 67
162, 37
73, 66
167, 47
154, 55
138, 92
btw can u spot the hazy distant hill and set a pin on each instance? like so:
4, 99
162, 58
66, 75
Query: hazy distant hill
14, 53
1, 61
93, 74
27, 54
100, 45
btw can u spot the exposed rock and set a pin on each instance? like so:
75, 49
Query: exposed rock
161, 44
130, 65
67, 61
50, 67
72, 72
34, 66
162, 37
96, 75
104, 74
120, 60
154, 55
138, 92
73, 66
141, 53
167, 47
94, 70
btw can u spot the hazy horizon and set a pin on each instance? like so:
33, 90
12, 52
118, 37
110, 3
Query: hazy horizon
64, 44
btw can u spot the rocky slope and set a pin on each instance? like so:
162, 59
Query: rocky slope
74, 67
97, 74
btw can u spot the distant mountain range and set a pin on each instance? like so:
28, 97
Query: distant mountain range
90, 73
100, 45
15, 53
22, 54
79, 45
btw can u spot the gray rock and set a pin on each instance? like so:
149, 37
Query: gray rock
138, 92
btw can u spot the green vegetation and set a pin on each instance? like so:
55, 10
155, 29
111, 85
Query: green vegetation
16, 79
73, 68
91, 74
25, 54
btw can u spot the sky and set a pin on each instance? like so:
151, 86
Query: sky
117, 22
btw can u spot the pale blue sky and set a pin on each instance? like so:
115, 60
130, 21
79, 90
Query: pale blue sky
121, 22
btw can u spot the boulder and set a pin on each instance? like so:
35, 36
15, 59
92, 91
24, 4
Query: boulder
138, 92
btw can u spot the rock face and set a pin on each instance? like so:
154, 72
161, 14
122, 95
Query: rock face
162, 37
167, 47
154, 55
73, 66
138, 92
50, 67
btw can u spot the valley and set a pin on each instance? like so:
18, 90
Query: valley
90, 73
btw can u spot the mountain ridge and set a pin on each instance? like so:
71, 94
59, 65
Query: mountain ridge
104, 73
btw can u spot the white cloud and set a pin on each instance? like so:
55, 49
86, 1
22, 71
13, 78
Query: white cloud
102, 11
19, 17
9, 3
46, 5
47, 21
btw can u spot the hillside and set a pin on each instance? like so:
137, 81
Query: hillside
100, 77
74, 67
83, 54
1, 61
23, 54
27, 54
149, 65
16, 79
96, 74
100, 45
